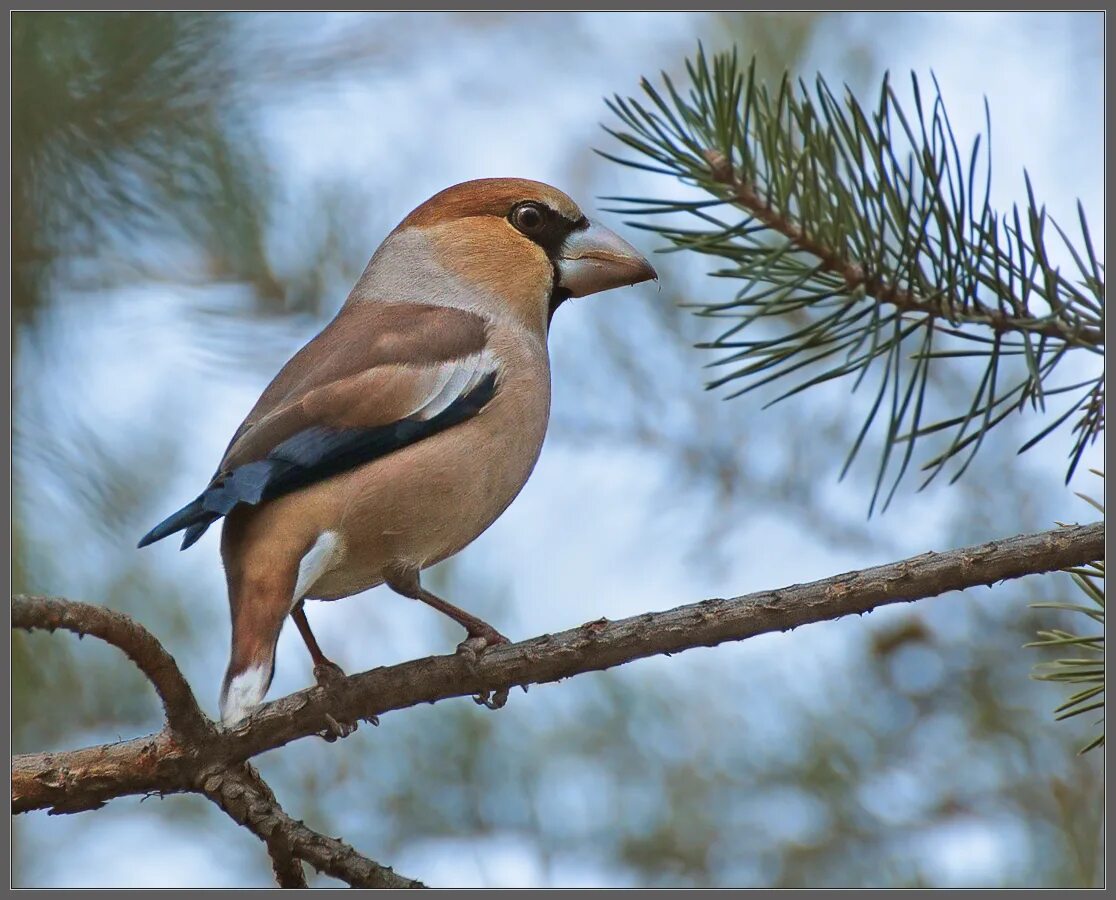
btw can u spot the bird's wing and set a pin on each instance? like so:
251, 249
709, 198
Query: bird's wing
378, 378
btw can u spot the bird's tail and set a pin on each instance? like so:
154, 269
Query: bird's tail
244, 687
260, 602
193, 518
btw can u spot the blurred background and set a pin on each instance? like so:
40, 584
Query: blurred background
194, 195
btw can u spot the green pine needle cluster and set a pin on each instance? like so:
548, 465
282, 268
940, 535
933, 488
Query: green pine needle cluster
1085, 670
862, 243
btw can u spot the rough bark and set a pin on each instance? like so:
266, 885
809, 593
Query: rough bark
82, 780
184, 717
164, 763
248, 801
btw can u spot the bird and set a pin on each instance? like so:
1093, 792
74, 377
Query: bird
406, 427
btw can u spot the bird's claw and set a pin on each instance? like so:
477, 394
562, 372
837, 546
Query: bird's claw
336, 729
327, 673
492, 700
471, 648
475, 644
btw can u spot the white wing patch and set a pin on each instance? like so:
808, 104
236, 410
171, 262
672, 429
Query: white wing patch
316, 561
461, 376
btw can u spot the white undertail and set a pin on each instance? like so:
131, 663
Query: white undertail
244, 693
245, 690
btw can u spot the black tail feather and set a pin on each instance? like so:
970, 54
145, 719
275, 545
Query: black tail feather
196, 530
307, 457
193, 517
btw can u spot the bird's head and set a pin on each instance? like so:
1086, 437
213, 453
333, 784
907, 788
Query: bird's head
519, 243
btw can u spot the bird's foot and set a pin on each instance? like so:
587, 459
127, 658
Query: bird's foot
492, 699
479, 641
471, 648
336, 729
327, 673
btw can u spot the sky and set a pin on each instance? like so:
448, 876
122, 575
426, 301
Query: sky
590, 534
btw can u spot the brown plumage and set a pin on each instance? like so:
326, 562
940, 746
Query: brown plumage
403, 430
345, 375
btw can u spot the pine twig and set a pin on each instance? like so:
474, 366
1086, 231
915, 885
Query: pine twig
234, 786
82, 779
250, 802
184, 717
860, 239
247, 799
855, 278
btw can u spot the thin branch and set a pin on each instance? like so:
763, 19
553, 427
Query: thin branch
878, 288
247, 799
138, 644
81, 779
860, 242
236, 788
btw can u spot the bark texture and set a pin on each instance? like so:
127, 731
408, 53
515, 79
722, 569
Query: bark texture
193, 754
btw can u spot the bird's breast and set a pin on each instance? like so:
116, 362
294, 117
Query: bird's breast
426, 502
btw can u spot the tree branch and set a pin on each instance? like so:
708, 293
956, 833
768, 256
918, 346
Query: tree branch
248, 801
876, 286
236, 788
184, 716
83, 779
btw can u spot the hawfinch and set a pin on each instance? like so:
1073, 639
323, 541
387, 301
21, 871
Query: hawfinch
406, 427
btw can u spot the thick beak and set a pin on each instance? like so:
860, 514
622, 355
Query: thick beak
596, 259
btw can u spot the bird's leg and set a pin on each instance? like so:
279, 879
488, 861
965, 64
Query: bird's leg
480, 633
325, 672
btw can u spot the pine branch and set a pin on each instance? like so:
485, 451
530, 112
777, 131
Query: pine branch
184, 717
1085, 669
86, 778
856, 279
864, 241
83, 780
247, 799
250, 802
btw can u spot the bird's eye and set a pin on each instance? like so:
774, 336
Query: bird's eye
528, 218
